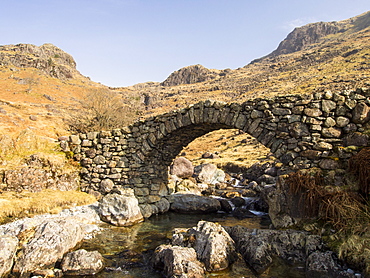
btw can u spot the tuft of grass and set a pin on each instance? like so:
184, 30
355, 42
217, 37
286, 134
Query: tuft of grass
16, 150
18, 205
356, 251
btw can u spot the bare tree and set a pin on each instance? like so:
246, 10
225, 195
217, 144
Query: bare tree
103, 109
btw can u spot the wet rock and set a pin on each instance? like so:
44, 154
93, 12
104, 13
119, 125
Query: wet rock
325, 264
182, 168
50, 241
242, 212
177, 261
238, 201
225, 205
120, 210
42, 273
190, 203
8, 248
82, 262
163, 205
260, 247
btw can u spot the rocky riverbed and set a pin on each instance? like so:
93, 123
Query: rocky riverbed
213, 224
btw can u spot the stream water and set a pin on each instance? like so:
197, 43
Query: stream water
127, 250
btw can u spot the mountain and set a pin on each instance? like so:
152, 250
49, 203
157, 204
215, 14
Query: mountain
40, 86
312, 58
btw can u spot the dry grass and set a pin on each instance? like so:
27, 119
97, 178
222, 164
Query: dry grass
356, 251
344, 210
15, 149
227, 143
25, 204
359, 166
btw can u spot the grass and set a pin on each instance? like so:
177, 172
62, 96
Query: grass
235, 150
18, 205
345, 210
14, 151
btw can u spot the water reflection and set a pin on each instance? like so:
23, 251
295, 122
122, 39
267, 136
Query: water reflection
127, 250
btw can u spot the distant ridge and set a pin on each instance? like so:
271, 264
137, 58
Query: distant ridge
302, 37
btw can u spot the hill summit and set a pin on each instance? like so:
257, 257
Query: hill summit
47, 58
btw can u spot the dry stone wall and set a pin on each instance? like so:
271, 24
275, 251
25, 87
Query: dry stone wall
302, 131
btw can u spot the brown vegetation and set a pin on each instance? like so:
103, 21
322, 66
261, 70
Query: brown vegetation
17, 205
103, 109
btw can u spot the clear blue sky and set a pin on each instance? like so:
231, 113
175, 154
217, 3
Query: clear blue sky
124, 42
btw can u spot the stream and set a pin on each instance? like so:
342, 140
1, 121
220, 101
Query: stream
127, 250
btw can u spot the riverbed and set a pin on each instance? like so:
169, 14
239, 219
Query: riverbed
127, 250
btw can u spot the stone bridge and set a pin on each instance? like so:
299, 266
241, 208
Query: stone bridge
302, 131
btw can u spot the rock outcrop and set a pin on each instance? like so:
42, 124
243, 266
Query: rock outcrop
189, 75
304, 36
50, 241
48, 58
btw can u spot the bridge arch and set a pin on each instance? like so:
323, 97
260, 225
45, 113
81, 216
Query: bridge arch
302, 131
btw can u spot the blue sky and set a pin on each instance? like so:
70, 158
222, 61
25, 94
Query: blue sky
124, 42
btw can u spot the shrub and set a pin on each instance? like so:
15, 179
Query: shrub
103, 109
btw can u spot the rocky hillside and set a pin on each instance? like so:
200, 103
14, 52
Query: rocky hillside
47, 58
41, 87
315, 57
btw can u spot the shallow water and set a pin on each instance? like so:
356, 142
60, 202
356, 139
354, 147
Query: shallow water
127, 249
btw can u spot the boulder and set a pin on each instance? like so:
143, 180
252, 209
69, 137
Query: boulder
163, 205
260, 247
8, 248
208, 173
82, 262
120, 210
48, 243
190, 203
214, 246
177, 261
187, 186
182, 168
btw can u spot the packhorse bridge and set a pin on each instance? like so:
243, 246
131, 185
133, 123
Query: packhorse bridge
302, 131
